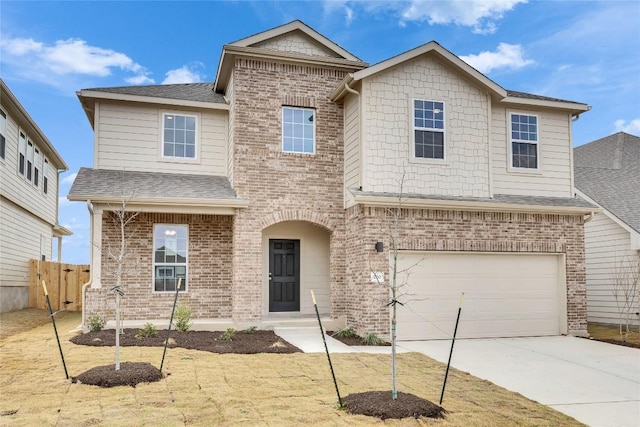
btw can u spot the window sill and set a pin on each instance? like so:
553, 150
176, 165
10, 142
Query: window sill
524, 171
434, 162
179, 160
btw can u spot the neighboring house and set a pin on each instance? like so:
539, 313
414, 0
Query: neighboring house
607, 173
277, 179
29, 167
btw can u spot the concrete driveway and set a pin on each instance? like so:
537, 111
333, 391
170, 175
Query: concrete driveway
593, 382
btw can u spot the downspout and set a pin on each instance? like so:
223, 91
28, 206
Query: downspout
89, 283
589, 217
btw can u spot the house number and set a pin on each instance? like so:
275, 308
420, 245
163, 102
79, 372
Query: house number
377, 277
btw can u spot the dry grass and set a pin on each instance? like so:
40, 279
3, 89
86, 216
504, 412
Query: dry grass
205, 389
609, 332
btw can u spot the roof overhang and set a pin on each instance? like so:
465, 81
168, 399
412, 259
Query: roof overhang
88, 100
469, 205
59, 231
32, 129
575, 108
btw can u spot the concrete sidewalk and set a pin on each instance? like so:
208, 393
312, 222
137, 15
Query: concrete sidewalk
594, 382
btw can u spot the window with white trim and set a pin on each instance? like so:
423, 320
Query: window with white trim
428, 129
45, 177
298, 130
170, 255
29, 160
524, 141
22, 153
3, 133
179, 136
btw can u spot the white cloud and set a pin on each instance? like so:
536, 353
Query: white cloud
509, 56
184, 74
38, 61
348, 15
632, 127
68, 179
140, 80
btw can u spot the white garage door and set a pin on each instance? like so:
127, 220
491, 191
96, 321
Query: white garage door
506, 295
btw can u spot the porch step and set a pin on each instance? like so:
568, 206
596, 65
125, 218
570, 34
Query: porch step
309, 340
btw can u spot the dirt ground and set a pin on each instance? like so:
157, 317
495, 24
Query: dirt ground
206, 389
611, 334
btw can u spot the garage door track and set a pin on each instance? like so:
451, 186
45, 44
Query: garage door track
594, 382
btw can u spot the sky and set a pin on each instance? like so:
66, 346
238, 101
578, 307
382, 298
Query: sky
584, 51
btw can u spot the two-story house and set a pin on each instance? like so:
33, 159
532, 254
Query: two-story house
29, 171
283, 176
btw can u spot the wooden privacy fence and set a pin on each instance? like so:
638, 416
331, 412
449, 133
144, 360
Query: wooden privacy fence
64, 283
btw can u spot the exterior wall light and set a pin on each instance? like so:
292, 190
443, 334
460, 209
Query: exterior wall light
379, 247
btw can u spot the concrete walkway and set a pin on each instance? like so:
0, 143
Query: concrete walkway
593, 382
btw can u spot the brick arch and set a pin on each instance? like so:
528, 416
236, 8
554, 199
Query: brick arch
315, 218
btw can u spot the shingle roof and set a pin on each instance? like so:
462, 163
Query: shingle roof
517, 94
496, 199
105, 183
202, 92
608, 171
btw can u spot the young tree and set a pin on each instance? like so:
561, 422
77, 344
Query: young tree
625, 278
122, 263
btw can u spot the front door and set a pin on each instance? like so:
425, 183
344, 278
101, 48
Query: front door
284, 275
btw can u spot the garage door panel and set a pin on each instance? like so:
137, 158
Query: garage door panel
505, 295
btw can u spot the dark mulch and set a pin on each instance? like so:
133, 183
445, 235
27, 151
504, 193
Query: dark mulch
351, 340
380, 404
242, 342
130, 373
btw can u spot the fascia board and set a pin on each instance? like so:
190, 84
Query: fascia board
149, 201
635, 236
383, 201
92, 94
574, 107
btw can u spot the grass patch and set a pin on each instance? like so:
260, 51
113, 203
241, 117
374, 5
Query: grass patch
205, 389
608, 333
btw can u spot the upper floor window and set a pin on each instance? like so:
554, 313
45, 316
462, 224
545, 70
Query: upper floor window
45, 178
524, 141
36, 167
170, 243
298, 130
428, 129
3, 133
179, 136
29, 160
22, 152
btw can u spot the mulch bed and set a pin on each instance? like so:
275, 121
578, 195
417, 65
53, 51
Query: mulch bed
350, 340
380, 404
618, 342
242, 342
130, 373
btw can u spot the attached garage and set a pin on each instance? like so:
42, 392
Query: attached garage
505, 295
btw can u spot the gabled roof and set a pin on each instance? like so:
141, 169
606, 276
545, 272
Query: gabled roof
154, 188
255, 46
186, 95
608, 172
434, 48
20, 115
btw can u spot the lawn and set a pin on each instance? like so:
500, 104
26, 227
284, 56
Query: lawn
612, 333
205, 389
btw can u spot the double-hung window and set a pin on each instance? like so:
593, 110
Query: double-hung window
428, 129
524, 141
179, 136
36, 167
298, 130
29, 160
3, 133
45, 177
170, 255
22, 153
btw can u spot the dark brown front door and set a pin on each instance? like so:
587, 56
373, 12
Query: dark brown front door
284, 275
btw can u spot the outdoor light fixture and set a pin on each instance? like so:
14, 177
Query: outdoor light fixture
379, 247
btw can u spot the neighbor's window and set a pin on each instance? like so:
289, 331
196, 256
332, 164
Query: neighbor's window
179, 137
298, 130
36, 168
428, 129
45, 178
170, 243
22, 152
3, 132
29, 160
524, 141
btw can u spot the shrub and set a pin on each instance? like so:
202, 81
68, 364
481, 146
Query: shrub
372, 339
250, 329
96, 322
148, 330
346, 333
228, 334
182, 318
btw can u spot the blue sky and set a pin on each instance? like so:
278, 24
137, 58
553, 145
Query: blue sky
585, 51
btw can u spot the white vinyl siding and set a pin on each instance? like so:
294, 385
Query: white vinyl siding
128, 136
553, 176
22, 237
351, 146
606, 243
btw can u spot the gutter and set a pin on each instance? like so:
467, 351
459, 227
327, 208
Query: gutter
162, 201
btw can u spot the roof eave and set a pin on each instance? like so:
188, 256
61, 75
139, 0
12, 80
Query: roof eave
94, 94
162, 201
59, 231
465, 205
573, 107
